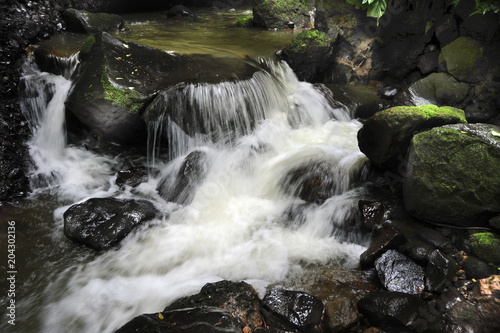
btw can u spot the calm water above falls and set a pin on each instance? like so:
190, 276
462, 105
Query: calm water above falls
241, 224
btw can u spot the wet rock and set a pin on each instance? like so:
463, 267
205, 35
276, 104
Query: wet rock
340, 315
490, 286
309, 55
441, 89
83, 21
428, 62
366, 99
190, 175
373, 213
464, 59
476, 269
132, 177
398, 273
276, 14
453, 175
440, 271
385, 237
465, 316
182, 13
297, 309
190, 320
486, 246
239, 299
385, 136
399, 312
101, 223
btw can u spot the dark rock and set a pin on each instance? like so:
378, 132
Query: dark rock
428, 62
190, 320
385, 237
399, 312
476, 269
276, 14
101, 223
373, 213
190, 175
398, 273
298, 309
446, 31
366, 100
239, 299
83, 21
440, 271
181, 12
388, 92
309, 54
486, 246
494, 222
385, 137
340, 315
453, 175
464, 316
132, 177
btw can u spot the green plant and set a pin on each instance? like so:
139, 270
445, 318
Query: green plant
375, 8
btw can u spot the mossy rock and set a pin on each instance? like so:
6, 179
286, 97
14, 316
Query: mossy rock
486, 246
83, 21
453, 175
442, 89
309, 54
464, 59
244, 22
283, 14
385, 136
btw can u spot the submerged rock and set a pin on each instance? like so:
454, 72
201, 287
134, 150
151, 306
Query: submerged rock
385, 136
101, 223
180, 12
454, 175
86, 22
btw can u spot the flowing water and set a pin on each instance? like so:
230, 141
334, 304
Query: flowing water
242, 223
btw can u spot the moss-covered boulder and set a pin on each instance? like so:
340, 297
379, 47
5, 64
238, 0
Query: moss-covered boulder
119, 78
453, 174
244, 22
442, 89
86, 22
283, 14
385, 136
309, 54
486, 246
464, 58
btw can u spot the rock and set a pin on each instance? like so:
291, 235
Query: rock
385, 137
428, 62
132, 177
486, 246
440, 271
101, 223
465, 316
385, 237
490, 286
441, 89
239, 299
494, 222
244, 22
309, 54
296, 309
340, 315
366, 100
278, 14
464, 59
476, 269
190, 320
373, 213
182, 13
191, 173
118, 80
453, 175
86, 22
398, 273
399, 312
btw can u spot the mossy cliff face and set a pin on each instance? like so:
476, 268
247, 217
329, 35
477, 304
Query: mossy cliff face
385, 136
283, 14
453, 174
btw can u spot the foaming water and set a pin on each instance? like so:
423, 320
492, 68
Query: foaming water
244, 220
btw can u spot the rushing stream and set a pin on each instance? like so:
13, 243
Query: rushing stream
240, 223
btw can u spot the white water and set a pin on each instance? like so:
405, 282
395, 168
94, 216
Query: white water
238, 226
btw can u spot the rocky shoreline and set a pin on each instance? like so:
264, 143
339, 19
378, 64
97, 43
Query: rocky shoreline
434, 211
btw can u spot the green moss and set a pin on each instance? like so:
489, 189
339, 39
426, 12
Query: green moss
125, 98
424, 112
87, 46
245, 21
462, 57
310, 38
486, 245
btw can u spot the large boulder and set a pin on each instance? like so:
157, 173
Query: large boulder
454, 174
101, 223
486, 246
385, 136
83, 21
280, 14
309, 54
441, 89
398, 273
118, 77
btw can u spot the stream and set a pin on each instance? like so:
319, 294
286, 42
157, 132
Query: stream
241, 222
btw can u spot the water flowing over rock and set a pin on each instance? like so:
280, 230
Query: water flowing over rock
385, 136
453, 175
102, 223
441, 89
